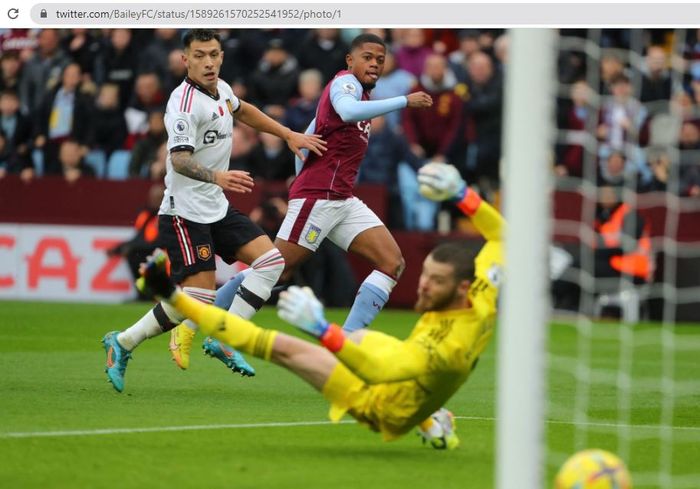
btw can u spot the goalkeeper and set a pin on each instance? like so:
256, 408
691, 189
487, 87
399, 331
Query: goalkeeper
389, 385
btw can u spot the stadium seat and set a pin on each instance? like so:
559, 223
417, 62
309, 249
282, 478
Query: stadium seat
118, 165
98, 161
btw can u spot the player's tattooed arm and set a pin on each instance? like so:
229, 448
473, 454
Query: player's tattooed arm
233, 180
184, 164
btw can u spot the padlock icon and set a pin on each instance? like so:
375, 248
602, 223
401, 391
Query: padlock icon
43, 13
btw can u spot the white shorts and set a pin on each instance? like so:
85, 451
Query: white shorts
309, 221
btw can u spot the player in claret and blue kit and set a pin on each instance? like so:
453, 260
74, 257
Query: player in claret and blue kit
321, 200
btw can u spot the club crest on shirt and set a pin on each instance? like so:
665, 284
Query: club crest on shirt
312, 234
180, 126
349, 88
204, 252
229, 105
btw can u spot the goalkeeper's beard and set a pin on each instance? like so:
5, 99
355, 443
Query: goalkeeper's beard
438, 302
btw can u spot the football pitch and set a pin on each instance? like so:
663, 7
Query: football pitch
62, 424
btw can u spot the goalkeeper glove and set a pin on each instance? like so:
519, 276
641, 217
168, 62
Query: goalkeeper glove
440, 181
300, 307
155, 281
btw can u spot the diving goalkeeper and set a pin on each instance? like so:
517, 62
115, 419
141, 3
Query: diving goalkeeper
389, 385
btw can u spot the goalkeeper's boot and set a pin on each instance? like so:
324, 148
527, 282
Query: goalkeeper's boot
441, 434
117, 358
230, 357
181, 344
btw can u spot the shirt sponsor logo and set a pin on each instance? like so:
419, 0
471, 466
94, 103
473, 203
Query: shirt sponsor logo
181, 126
312, 234
181, 139
204, 252
211, 136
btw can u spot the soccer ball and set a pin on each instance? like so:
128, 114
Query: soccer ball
593, 469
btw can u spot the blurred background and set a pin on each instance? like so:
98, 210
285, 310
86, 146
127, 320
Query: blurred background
82, 146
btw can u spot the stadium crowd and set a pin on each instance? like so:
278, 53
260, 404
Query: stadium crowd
89, 103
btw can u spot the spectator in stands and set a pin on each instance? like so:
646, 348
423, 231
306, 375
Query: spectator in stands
622, 117
145, 240
144, 151
148, 97
302, 110
386, 153
616, 170
659, 162
21, 42
270, 159
611, 68
10, 71
108, 126
468, 45
656, 80
176, 70
325, 51
393, 83
573, 117
270, 213
413, 52
17, 135
70, 158
118, 64
621, 248
689, 144
483, 111
42, 72
274, 82
501, 47
154, 56
82, 47
157, 168
246, 140
431, 132
65, 113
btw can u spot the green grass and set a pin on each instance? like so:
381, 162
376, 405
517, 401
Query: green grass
52, 379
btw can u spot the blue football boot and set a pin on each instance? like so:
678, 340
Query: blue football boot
117, 358
230, 357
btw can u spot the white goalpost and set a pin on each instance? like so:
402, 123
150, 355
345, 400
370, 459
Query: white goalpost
528, 131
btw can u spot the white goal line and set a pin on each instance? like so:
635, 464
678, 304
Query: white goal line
163, 429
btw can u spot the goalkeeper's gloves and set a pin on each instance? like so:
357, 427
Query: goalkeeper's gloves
300, 307
155, 281
441, 181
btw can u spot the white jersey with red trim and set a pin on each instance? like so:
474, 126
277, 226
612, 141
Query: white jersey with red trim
199, 122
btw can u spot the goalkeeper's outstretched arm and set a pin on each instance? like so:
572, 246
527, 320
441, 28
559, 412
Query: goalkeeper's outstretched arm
442, 182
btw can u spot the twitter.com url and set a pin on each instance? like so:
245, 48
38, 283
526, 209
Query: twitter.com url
129, 14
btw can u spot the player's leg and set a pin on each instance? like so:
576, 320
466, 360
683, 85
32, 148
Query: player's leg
186, 244
363, 233
249, 244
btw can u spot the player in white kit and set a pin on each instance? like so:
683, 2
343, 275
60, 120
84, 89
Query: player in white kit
196, 221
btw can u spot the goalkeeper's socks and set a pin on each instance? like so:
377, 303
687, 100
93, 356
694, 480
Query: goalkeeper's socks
204, 295
227, 328
226, 293
371, 298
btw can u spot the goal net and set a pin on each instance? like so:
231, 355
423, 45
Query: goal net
613, 247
